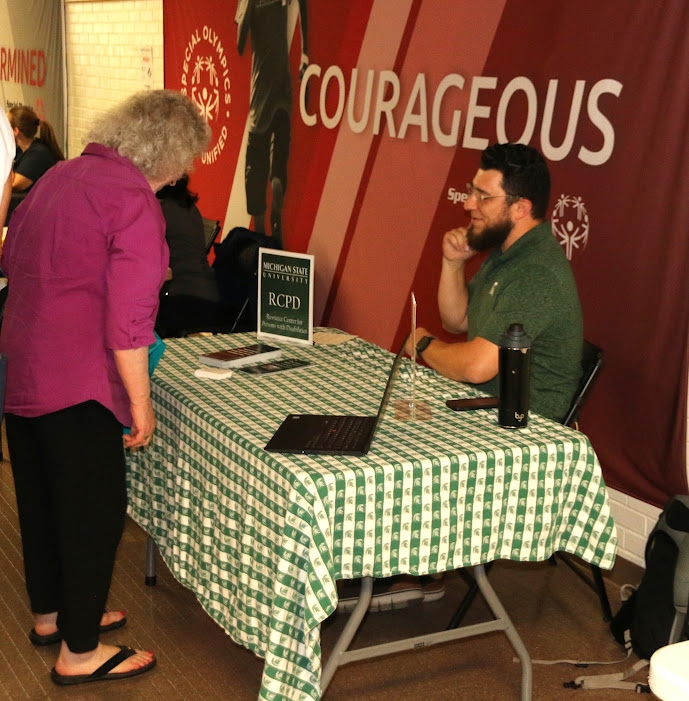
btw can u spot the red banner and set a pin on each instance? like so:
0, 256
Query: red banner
201, 61
387, 124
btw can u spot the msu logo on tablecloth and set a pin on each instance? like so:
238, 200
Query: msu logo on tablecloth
570, 222
205, 79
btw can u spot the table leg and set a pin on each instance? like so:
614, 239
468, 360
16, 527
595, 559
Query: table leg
348, 633
340, 655
150, 562
510, 631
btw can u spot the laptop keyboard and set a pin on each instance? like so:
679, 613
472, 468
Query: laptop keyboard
341, 433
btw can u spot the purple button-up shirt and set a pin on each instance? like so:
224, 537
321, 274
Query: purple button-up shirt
85, 256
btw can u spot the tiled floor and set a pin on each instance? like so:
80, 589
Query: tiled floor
554, 612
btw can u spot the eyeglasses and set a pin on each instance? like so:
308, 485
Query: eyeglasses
481, 197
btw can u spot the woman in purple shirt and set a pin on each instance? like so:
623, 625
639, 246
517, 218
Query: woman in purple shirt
85, 257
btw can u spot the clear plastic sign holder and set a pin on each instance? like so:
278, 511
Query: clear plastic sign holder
411, 409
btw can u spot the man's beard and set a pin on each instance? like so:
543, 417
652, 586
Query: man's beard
491, 237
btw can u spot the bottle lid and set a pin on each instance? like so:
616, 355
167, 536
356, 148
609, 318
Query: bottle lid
515, 337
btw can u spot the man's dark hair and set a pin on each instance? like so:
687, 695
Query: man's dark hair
524, 174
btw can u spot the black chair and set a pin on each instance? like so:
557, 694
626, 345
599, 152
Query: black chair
591, 362
236, 267
211, 229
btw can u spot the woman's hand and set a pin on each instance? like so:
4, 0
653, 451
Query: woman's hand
132, 365
143, 425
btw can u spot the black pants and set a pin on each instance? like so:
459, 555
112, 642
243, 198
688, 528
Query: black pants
69, 476
180, 314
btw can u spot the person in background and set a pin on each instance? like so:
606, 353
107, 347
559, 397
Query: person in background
189, 300
34, 154
526, 279
86, 256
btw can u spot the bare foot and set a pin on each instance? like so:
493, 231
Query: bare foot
46, 623
110, 617
72, 663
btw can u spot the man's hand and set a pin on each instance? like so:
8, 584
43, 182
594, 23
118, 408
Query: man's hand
143, 425
455, 246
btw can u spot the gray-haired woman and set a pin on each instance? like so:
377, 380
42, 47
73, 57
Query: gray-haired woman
85, 256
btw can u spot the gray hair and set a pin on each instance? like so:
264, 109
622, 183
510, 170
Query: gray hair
160, 131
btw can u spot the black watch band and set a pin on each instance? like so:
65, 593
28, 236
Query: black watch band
423, 344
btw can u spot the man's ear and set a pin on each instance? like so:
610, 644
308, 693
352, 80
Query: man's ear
522, 208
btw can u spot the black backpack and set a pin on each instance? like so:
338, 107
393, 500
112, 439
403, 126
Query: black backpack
654, 615
646, 619
236, 269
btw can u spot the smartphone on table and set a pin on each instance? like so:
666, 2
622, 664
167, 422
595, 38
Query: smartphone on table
466, 403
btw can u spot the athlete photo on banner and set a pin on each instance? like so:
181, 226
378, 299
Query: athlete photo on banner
265, 22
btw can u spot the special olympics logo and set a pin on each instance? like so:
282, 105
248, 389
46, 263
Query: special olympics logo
205, 80
570, 222
204, 87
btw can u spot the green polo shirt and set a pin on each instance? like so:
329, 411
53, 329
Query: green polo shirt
532, 283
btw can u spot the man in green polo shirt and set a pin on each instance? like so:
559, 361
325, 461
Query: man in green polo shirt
525, 279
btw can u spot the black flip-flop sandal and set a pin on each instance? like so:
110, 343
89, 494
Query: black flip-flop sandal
102, 673
56, 637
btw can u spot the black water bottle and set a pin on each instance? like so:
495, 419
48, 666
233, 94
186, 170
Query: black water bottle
514, 362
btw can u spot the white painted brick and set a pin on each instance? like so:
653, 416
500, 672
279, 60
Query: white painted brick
631, 556
103, 45
634, 520
650, 511
635, 545
617, 496
628, 518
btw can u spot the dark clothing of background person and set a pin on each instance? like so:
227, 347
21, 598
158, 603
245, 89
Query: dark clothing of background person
190, 299
37, 150
33, 162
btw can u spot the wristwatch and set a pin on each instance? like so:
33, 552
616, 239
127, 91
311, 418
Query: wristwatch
423, 344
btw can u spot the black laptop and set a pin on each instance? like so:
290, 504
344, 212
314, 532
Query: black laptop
323, 434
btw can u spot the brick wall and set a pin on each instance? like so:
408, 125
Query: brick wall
635, 520
106, 44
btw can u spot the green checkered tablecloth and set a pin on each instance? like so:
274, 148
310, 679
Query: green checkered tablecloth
260, 538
